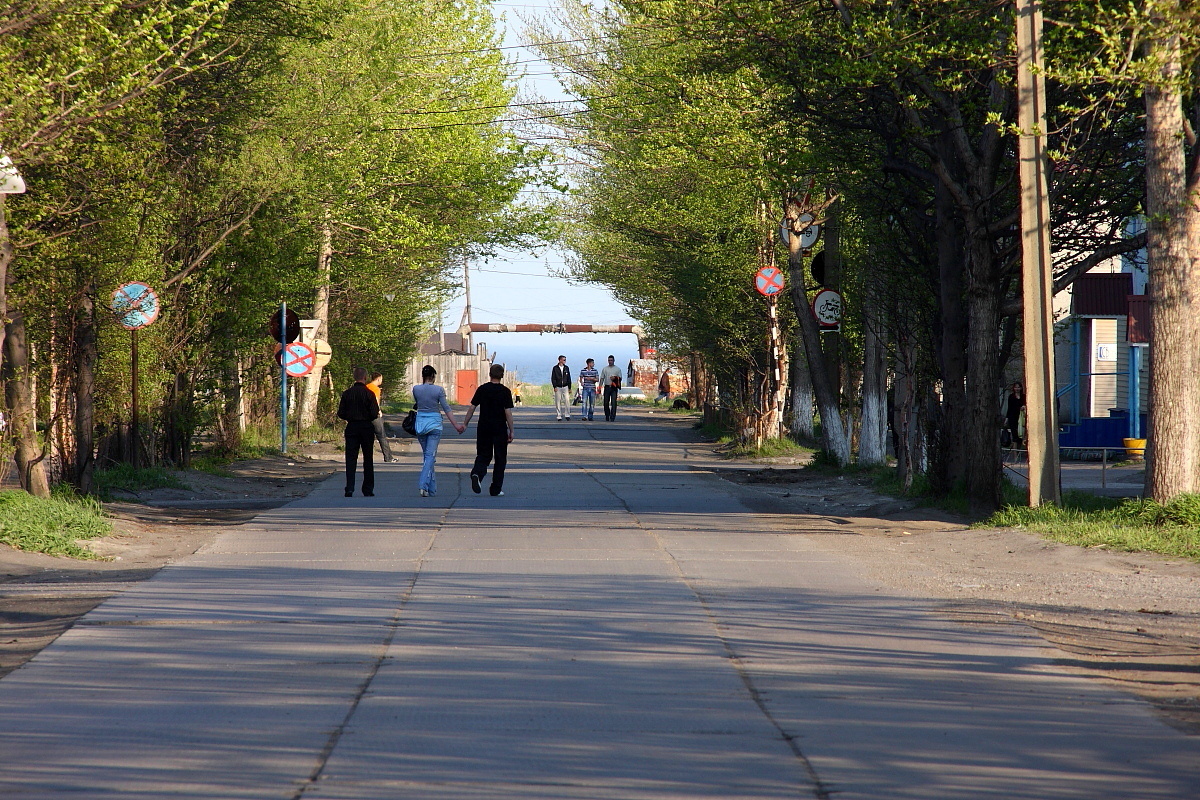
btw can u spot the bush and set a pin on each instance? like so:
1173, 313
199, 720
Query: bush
52, 525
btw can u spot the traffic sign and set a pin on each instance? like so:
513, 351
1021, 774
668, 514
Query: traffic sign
293, 325
809, 233
135, 304
324, 352
297, 358
768, 281
827, 307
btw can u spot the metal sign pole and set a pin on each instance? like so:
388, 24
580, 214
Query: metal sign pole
133, 420
283, 409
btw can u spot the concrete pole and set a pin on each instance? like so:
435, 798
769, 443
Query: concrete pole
1041, 425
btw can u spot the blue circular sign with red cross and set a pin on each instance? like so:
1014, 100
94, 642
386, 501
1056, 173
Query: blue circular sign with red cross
769, 281
298, 359
135, 304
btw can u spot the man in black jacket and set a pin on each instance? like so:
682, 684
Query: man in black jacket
560, 383
359, 408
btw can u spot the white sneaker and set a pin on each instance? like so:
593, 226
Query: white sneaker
498, 494
424, 493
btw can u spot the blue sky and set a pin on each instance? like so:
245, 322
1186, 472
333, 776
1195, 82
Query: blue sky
523, 287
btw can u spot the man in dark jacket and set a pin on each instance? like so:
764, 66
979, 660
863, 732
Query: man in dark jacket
359, 408
560, 383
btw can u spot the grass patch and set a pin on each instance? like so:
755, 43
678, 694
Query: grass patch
51, 525
1131, 525
259, 441
537, 395
212, 465
125, 478
770, 448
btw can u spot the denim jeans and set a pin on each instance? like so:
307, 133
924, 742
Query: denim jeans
429, 447
589, 403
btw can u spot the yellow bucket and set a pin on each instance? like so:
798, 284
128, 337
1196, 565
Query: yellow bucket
1135, 449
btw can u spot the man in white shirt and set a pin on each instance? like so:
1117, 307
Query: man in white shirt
610, 379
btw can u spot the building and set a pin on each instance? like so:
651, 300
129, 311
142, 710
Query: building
1101, 354
460, 371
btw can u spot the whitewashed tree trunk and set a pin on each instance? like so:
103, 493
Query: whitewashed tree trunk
872, 444
311, 385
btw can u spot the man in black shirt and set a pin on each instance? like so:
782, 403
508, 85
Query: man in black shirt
359, 408
494, 431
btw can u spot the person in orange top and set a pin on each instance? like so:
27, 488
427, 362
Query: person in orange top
376, 387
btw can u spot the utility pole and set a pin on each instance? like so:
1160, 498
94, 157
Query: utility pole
465, 322
1041, 425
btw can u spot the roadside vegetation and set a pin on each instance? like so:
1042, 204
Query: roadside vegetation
733, 446
1171, 528
51, 525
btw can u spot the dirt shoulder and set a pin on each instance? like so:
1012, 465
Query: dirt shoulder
1131, 619
41, 596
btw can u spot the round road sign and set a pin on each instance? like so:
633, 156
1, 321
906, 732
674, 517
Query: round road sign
324, 352
808, 232
768, 281
827, 307
298, 359
135, 304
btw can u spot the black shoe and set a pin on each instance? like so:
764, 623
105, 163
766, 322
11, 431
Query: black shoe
475, 487
349, 493
368, 494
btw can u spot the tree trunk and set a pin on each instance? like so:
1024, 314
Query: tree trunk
1174, 435
948, 440
872, 441
7, 253
86, 354
801, 419
23, 417
983, 382
311, 385
833, 432
904, 423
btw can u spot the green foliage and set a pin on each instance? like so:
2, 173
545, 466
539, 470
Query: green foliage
1132, 524
52, 525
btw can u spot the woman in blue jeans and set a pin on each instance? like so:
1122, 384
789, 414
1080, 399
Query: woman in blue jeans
431, 402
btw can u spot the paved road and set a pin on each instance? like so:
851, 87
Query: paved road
617, 626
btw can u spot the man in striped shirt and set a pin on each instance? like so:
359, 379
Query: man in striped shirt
589, 379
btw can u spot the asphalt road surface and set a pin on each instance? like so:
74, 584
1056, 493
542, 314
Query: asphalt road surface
618, 625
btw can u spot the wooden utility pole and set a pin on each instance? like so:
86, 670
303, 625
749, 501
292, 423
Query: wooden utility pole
1041, 424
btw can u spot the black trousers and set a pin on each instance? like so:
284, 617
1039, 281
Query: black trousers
489, 447
360, 435
610, 403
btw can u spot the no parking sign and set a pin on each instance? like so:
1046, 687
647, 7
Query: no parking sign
768, 281
297, 358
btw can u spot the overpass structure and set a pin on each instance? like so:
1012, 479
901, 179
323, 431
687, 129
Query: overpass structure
559, 327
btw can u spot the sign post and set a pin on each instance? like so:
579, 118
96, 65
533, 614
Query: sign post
136, 306
283, 409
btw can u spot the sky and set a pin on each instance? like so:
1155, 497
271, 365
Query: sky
520, 286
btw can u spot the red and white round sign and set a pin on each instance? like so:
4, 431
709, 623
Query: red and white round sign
769, 281
827, 307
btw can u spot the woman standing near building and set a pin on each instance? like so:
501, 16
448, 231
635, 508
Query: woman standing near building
431, 403
1012, 414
